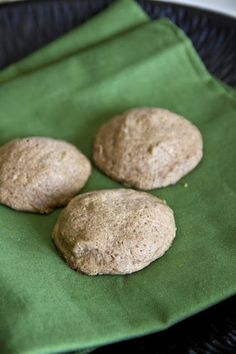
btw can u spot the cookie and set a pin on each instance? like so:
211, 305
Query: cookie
148, 148
38, 174
116, 231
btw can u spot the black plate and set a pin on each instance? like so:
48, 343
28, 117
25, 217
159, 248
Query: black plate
26, 26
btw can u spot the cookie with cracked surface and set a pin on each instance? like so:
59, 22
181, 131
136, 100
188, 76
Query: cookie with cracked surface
116, 231
148, 148
38, 174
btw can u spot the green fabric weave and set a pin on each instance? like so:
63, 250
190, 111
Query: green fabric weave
45, 307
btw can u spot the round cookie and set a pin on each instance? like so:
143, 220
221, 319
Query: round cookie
116, 231
147, 148
38, 174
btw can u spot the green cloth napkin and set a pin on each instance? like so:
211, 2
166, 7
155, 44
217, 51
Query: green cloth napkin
96, 30
45, 306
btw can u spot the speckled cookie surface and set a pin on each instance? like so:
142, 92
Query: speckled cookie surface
116, 231
38, 174
148, 148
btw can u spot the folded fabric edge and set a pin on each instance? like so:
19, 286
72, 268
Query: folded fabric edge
197, 62
87, 348
37, 60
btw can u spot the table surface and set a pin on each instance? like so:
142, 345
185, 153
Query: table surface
227, 7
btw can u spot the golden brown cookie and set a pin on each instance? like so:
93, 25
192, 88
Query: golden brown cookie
116, 231
38, 174
148, 148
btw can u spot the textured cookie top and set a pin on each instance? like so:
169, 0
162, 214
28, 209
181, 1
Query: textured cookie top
148, 148
38, 174
115, 231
